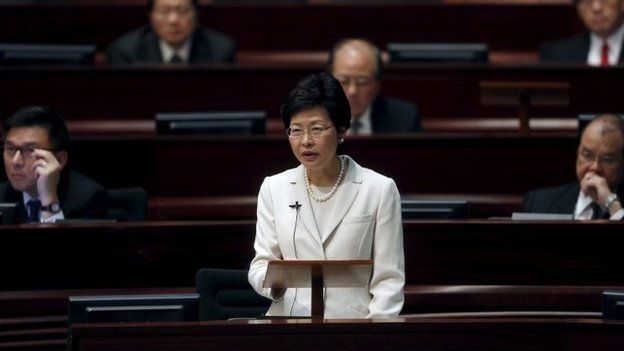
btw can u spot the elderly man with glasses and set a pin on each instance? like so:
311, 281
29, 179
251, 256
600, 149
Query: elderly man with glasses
35, 159
174, 36
599, 170
600, 44
357, 64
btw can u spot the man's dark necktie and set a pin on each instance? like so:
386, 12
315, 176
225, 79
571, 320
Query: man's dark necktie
175, 60
34, 206
598, 213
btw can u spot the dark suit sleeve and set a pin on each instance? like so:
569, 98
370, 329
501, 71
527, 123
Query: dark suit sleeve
210, 46
545, 53
81, 197
115, 56
572, 50
417, 124
229, 51
96, 205
527, 204
131, 47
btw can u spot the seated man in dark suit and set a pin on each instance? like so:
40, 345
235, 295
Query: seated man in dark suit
173, 37
600, 44
357, 64
599, 170
35, 159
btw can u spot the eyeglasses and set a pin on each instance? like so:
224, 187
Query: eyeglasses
588, 157
163, 13
297, 132
360, 81
25, 151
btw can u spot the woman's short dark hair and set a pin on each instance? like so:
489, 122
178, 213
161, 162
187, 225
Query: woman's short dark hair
150, 4
40, 116
318, 90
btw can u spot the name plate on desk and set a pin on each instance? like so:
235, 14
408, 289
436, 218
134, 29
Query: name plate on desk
525, 216
335, 273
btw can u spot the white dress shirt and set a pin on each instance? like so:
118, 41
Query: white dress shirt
167, 51
584, 209
594, 56
366, 125
53, 218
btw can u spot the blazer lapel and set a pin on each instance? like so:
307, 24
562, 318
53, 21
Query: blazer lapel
566, 203
345, 196
151, 49
377, 113
584, 44
299, 194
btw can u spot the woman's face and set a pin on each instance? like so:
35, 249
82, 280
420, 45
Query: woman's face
314, 138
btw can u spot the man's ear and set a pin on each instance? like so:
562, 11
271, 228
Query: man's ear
62, 157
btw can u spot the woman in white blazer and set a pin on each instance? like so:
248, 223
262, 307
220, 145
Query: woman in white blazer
344, 211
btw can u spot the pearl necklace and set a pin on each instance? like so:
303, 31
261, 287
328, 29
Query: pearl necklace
333, 189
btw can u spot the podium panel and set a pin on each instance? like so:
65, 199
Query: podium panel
335, 273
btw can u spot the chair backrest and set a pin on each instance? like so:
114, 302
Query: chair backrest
127, 204
226, 293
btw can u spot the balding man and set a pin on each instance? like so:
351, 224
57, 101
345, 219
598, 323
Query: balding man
599, 170
357, 64
600, 44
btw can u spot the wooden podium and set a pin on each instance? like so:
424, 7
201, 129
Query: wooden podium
317, 274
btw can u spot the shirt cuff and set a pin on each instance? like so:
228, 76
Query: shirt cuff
59, 216
617, 216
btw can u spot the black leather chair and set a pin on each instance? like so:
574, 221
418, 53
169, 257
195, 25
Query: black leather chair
226, 293
127, 204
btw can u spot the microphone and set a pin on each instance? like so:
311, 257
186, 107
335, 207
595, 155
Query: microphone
295, 206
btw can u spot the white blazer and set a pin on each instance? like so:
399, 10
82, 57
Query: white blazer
366, 224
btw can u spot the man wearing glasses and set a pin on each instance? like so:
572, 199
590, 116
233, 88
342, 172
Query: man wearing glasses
357, 64
600, 45
599, 170
35, 159
173, 37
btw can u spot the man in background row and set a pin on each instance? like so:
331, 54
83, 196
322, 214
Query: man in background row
35, 160
600, 44
174, 36
357, 65
599, 170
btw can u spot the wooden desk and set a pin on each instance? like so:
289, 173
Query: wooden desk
424, 164
134, 93
310, 27
453, 266
241, 207
396, 334
168, 254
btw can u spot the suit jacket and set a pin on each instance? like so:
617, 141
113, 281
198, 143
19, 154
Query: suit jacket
79, 197
141, 46
389, 115
559, 199
569, 50
365, 224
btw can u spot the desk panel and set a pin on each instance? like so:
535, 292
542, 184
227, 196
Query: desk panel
310, 27
168, 254
426, 164
397, 334
107, 93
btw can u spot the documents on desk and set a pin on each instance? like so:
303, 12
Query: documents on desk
526, 216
